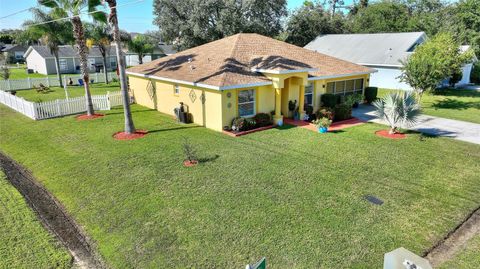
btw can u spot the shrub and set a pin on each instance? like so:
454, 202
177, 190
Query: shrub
329, 100
4, 73
189, 150
475, 74
325, 112
371, 94
322, 122
242, 124
398, 109
343, 112
262, 119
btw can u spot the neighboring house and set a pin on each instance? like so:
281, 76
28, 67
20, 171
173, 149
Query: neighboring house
382, 51
240, 76
40, 60
160, 51
13, 53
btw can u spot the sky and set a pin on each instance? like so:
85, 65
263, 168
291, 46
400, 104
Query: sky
134, 15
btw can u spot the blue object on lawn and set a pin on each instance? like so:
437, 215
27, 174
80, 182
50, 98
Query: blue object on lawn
322, 130
80, 82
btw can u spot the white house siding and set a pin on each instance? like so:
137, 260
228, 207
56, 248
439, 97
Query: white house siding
466, 71
36, 62
387, 77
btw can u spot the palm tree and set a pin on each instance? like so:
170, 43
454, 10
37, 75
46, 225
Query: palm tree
98, 34
398, 110
73, 9
141, 45
53, 34
113, 20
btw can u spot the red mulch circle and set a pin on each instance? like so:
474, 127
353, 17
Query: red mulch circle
125, 136
384, 133
189, 163
87, 117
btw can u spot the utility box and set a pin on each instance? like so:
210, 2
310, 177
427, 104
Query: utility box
402, 258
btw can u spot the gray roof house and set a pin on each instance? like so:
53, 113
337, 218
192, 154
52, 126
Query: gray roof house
13, 53
162, 50
382, 51
40, 60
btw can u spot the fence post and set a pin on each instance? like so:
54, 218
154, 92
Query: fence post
96, 77
9, 86
59, 110
29, 83
48, 81
108, 100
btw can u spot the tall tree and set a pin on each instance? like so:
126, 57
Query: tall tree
72, 9
433, 61
53, 34
113, 20
381, 17
309, 21
190, 23
98, 35
464, 23
141, 45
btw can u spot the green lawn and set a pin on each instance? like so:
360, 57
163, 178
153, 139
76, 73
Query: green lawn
73, 91
290, 194
468, 257
454, 104
24, 241
21, 73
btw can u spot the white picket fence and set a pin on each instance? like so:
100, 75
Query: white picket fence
28, 83
59, 107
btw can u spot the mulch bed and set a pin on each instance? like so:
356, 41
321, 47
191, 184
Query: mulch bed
384, 133
91, 117
51, 213
235, 134
125, 136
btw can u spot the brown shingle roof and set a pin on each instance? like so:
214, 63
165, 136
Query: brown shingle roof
230, 61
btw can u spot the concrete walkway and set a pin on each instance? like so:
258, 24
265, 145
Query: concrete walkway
461, 130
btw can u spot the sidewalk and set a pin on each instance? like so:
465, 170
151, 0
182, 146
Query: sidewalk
461, 130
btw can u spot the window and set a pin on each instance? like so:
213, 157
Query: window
246, 103
63, 64
349, 86
339, 87
309, 95
113, 63
176, 90
330, 87
19, 55
359, 84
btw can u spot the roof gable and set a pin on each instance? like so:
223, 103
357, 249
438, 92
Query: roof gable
235, 60
368, 49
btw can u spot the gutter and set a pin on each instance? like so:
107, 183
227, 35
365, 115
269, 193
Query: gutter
342, 75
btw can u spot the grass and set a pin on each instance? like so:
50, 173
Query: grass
454, 104
25, 243
73, 91
290, 194
467, 258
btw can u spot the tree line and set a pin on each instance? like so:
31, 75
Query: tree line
190, 23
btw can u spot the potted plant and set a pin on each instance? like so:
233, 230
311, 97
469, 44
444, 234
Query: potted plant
296, 114
291, 106
322, 124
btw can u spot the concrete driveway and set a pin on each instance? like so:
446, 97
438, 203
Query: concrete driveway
461, 130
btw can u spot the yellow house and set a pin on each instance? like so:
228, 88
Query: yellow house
240, 76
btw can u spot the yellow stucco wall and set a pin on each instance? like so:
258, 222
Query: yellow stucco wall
220, 107
207, 113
